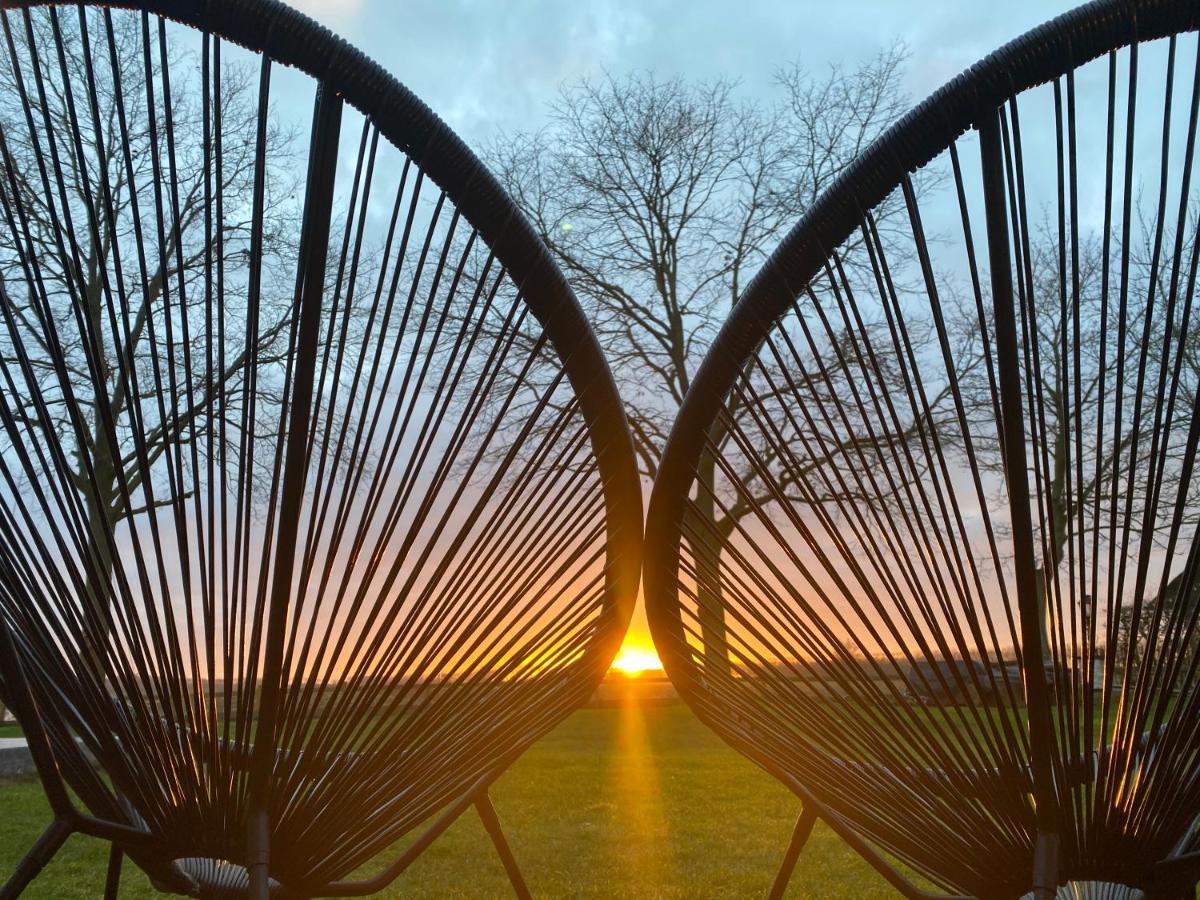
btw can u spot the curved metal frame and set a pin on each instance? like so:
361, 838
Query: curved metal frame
970, 101
288, 37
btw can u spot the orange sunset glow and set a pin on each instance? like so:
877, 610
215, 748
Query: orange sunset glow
635, 660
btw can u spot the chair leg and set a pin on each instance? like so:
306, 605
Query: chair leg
35, 860
112, 883
800, 834
491, 821
258, 846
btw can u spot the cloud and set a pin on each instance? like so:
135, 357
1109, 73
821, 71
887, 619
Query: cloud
486, 66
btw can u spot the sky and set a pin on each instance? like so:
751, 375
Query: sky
487, 67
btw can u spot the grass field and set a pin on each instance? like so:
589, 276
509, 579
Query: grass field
627, 802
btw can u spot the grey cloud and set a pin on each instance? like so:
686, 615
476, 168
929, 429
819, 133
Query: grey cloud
488, 66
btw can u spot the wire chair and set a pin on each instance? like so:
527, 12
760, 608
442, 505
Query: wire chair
923, 542
317, 501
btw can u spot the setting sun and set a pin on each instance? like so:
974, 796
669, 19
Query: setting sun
636, 660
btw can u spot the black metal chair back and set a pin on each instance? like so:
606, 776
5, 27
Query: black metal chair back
317, 502
924, 540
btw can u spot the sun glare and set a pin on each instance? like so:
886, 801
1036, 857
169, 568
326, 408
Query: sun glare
634, 661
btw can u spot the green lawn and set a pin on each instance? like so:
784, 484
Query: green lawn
630, 802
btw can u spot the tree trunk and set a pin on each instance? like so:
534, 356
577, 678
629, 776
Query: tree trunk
100, 492
1058, 535
98, 561
701, 520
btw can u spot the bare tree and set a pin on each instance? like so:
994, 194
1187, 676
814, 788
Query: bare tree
659, 198
1154, 622
108, 190
1084, 336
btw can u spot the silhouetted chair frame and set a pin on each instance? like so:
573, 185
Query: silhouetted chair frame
343, 76
734, 705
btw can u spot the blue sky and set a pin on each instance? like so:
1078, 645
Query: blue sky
490, 66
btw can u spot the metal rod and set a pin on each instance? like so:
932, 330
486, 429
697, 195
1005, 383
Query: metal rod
112, 882
36, 859
491, 821
800, 835
413, 850
1017, 479
318, 203
20, 696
